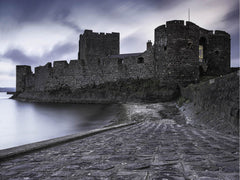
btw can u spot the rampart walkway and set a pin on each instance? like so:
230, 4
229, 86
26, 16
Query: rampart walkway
162, 146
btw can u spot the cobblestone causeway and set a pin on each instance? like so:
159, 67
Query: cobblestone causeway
163, 147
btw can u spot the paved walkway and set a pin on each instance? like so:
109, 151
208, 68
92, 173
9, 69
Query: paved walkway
162, 146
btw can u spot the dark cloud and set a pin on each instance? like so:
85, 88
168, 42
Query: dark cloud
18, 57
231, 19
161, 4
29, 11
25, 10
32, 11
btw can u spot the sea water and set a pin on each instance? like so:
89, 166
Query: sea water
23, 123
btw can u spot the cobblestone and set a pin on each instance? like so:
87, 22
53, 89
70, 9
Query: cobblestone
154, 148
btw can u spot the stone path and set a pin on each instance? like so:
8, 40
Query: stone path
163, 146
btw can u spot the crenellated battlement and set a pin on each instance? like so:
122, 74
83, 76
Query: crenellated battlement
89, 32
60, 64
174, 23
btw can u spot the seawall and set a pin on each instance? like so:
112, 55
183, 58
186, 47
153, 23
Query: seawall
215, 102
122, 91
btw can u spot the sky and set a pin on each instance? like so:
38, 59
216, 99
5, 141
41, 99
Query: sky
34, 32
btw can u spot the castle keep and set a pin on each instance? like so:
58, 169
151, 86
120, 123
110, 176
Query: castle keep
180, 55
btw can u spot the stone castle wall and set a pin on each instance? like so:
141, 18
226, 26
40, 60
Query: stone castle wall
216, 102
173, 59
78, 74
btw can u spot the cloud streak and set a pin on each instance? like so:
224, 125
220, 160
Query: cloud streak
18, 56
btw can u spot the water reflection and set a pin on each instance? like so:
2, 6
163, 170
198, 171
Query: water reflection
23, 123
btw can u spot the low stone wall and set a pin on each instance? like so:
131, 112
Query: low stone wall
131, 90
216, 102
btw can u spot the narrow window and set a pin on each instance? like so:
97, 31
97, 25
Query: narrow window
200, 53
120, 61
165, 48
202, 49
140, 60
190, 45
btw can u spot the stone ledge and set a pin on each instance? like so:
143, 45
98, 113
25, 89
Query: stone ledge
19, 150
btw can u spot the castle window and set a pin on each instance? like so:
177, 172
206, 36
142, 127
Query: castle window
217, 52
202, 49
140, 60
200, 53
99, 62
165, 48
120, 61
190, 44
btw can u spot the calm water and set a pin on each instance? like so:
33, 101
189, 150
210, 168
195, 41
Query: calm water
22, 123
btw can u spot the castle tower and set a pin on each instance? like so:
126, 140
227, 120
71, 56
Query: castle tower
176, 61
94, 45
185, 52
218, 53
21, 73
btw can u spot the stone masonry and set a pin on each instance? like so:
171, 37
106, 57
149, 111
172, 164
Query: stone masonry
181, 54
162, 145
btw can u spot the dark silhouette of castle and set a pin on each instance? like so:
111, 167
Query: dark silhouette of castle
181, 54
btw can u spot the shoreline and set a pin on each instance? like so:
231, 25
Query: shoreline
27, 148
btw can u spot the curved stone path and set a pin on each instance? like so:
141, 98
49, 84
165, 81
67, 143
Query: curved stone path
159, 147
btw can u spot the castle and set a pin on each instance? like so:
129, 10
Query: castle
180, 55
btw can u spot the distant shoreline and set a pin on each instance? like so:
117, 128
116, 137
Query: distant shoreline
7, 89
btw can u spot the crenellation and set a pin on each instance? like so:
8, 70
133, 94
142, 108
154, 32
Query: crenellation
174, 23
60, 64
218, 32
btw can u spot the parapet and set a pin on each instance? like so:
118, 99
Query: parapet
161, 28
192, 26
174, 23
222, 33
24, 68
101, 34
48, 65
87, 32
73, 62
60, 64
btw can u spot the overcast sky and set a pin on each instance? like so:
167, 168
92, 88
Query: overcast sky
34, 32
